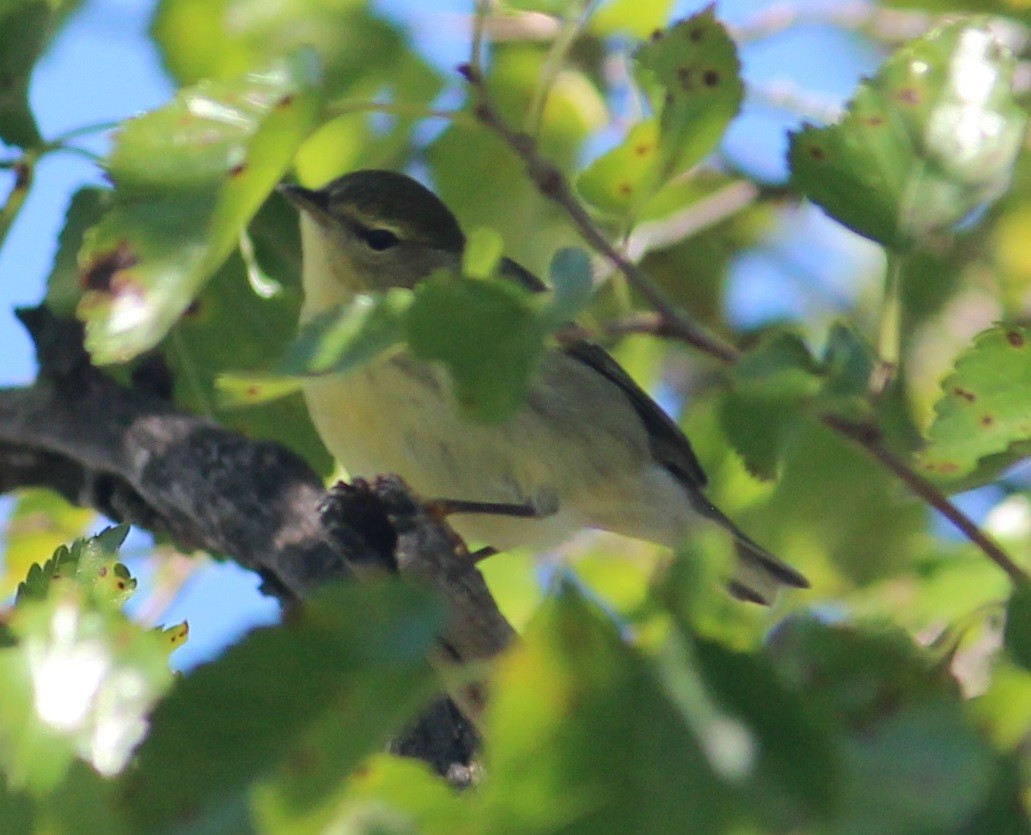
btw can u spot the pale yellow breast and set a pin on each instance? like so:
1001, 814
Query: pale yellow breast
578, 450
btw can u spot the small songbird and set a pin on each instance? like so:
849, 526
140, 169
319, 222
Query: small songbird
588, 448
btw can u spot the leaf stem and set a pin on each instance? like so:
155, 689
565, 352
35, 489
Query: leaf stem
571, 26
85, 130
24, 171
889, 334
398, 109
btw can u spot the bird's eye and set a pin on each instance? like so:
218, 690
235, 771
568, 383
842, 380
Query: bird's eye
379, 239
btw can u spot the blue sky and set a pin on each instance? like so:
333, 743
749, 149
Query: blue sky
102, 68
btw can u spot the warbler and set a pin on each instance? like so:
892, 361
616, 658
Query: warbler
588, 449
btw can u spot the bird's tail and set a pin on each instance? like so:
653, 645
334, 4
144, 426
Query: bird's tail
759, 574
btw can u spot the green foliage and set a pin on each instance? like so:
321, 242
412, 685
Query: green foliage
486, 334
318, 695
778, 388
983, 411
91, 563
930, 138
891, 698
489, 332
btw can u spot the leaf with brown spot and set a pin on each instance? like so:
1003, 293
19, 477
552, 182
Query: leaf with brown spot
697, 64
188, 177
621, 180
692, 73
915, 152
981, 421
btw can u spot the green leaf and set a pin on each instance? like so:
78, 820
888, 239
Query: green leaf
40, 521
747, 687
336, 341
487, 335
299, 705
925, 142
770, 387
912, 761
86, 209
634, 16
344, 339
188, 177
625, 178
388, 795
985, 408
846, 366
484, 249
1017, 634
221, 39
247, 321
572, 287
90, 563
696, 63
24, 26
581, 737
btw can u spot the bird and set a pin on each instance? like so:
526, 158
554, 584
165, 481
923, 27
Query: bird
588, 448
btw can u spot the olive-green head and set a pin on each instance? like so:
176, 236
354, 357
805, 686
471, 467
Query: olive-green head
371, 230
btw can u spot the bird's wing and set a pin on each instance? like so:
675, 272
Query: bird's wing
667, 442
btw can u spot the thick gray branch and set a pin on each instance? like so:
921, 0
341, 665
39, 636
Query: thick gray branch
133, 456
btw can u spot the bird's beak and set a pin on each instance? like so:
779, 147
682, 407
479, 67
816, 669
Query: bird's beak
312, 201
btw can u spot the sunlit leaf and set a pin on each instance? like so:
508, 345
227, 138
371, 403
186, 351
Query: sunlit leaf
91, 564
926, 141
188, 177
634, 16
79, 681
623, 179
985, 408
221, 39
40, 522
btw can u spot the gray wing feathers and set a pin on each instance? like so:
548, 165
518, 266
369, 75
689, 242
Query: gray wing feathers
669, 446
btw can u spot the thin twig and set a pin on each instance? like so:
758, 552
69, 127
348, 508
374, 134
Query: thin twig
24, 170
553, 185
869, 438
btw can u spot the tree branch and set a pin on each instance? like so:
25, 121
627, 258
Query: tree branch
134, 457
